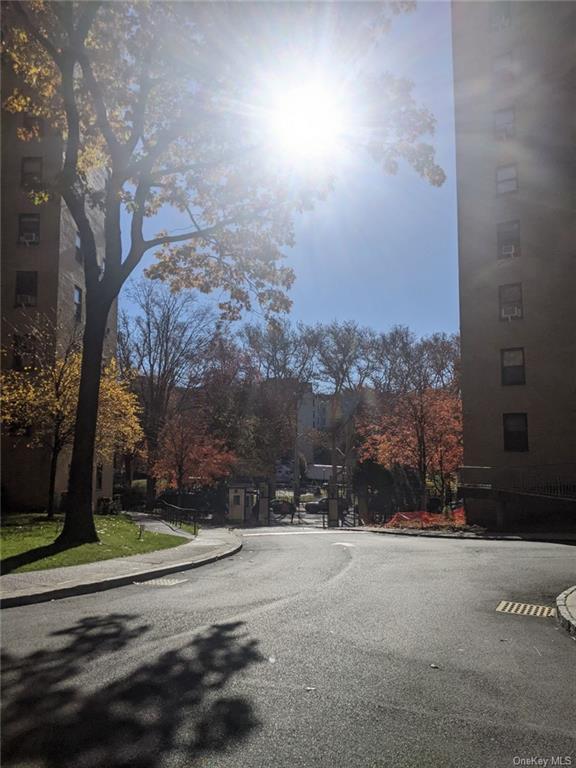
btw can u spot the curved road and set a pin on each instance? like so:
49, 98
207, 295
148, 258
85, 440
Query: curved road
308, 648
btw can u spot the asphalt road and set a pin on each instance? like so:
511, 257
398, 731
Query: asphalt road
308, 648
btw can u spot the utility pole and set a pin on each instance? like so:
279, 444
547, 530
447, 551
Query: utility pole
296, 478
333, 485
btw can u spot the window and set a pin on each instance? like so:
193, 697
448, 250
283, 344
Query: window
515, 431
501, 14
78, 246
99, 476
503, 69
506, 179
505, 123
31, 171
23, 351
26, 289
33, 126
29, 228
512, 366
508, 239
77, 304
511, 301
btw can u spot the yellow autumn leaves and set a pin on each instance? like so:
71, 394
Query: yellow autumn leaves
39, 402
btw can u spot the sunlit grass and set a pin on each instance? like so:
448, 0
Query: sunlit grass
119, 537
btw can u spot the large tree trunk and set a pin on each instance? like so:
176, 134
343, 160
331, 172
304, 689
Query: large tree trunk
79, 525
52, 479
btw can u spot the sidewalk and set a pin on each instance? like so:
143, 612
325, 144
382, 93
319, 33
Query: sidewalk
53, 583
566, 610
157, 525
440, 534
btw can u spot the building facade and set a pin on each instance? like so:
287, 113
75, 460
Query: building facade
515, 110
42, 283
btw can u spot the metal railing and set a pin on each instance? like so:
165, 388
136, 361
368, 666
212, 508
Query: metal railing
177, 516
556, 481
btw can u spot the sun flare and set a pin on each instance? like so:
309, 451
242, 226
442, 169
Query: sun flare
306, 122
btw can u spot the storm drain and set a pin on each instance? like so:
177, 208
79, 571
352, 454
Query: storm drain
526, 609
161, 582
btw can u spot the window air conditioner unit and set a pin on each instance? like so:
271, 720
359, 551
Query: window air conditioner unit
28, 238
22, 299
508, 250
509, 312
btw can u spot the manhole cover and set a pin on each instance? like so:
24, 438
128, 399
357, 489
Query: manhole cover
525, 609
161, 582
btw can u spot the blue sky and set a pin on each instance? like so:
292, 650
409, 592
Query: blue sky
383, 250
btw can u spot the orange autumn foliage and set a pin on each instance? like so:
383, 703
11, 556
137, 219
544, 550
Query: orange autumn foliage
189, 456
420, 429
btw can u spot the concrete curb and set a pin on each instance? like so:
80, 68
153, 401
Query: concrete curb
564, 616
116, 581
464, 535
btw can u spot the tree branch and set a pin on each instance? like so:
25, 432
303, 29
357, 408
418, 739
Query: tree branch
48, 46
194, 235
99, 106
146, 85
85, 21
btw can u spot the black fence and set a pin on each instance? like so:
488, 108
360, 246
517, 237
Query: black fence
179, 516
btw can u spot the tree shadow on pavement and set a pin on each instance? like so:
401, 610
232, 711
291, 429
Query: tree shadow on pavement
170, 707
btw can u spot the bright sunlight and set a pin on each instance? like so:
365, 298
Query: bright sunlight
306, 121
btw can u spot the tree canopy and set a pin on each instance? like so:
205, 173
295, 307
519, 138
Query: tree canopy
160, 106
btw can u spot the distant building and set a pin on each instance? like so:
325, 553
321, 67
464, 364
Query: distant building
317, 412
42, 275
515, 103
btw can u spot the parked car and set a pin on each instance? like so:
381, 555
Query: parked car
322, 506
276, 505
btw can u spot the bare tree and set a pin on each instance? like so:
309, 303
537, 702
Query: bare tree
345, 365
285, 358
165, 344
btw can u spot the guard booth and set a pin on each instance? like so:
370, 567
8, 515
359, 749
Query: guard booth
248, 506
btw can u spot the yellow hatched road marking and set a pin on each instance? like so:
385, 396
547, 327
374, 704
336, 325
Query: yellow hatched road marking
525, 609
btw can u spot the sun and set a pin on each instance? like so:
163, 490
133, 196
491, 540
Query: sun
305, 121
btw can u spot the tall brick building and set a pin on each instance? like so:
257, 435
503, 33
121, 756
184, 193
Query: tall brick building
515, 86
42, 277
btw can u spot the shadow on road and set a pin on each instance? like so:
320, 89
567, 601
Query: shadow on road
171, 705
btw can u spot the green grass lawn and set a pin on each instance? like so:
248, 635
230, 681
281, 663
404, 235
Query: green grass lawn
119, 537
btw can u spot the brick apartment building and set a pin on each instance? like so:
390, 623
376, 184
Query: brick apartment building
42, 277
515, 103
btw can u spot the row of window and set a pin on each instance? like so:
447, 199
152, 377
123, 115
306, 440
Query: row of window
512, 360
30, 171
505, 69
500, 14
506, 179
511, 306
515, 428
29, 232
26, 293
